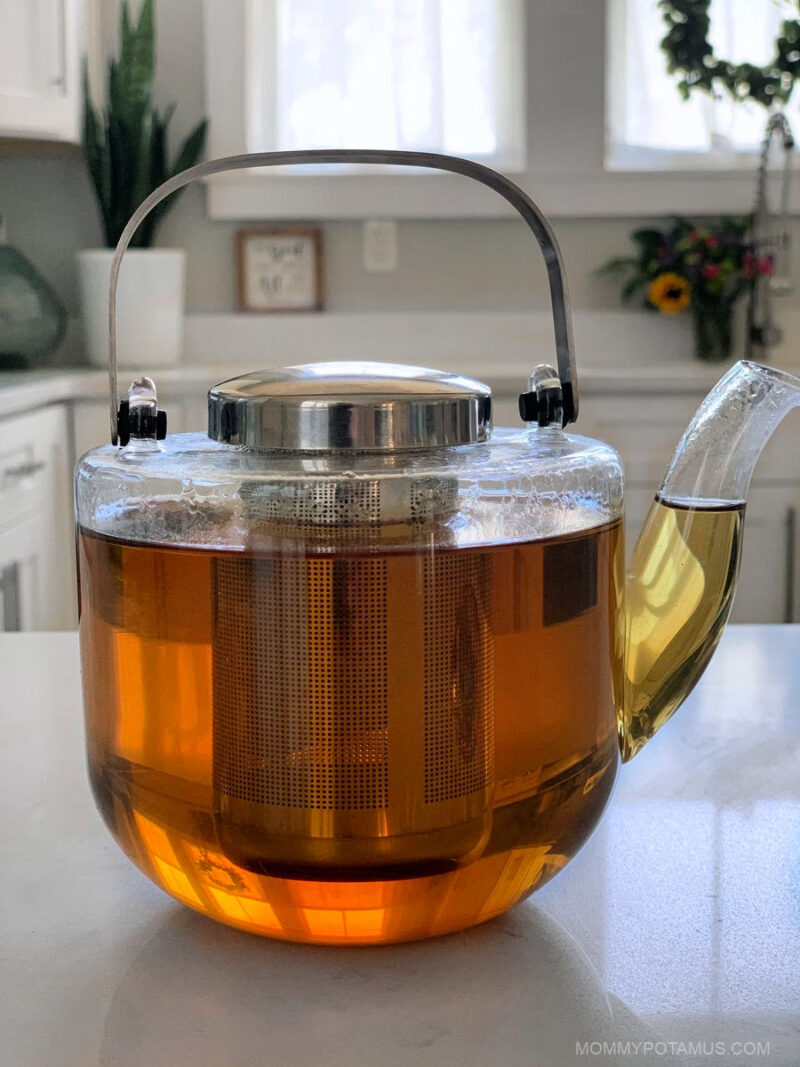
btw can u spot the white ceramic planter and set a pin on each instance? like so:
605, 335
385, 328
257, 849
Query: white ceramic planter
150, 303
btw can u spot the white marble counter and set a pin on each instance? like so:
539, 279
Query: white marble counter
677, 928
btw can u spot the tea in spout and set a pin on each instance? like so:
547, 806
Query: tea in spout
679, 590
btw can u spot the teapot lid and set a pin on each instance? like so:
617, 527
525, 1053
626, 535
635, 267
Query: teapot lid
358, 406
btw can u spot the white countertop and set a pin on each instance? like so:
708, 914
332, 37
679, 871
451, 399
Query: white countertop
678, 924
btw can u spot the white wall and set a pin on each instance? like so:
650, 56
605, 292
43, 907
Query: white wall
482, 264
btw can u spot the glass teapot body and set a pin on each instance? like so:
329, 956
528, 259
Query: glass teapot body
352, 696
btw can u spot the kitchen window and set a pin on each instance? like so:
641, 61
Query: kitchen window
428, 75
425, 75
571, 97
650, 126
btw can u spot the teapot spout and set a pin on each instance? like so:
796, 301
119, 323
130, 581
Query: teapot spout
680, 586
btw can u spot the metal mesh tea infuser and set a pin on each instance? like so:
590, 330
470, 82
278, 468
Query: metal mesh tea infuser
352, 721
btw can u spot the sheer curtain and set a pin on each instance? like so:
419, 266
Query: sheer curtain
646, 108
438, 75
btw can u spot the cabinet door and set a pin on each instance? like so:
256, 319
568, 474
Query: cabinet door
195, 414
37, 553
646, 431
768, 589
24, 593
41, 46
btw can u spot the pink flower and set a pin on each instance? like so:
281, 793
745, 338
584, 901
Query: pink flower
765, 265
712, 270
712, 242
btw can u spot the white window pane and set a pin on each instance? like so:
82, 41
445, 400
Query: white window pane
430, 75
469, 77
647, 110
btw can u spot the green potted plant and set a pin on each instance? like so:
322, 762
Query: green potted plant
127, 154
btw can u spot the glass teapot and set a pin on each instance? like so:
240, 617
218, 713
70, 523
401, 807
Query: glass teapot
358, 667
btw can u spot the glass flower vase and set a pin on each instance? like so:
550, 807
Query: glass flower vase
713, 331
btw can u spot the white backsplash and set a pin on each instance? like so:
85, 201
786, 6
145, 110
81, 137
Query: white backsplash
487, 343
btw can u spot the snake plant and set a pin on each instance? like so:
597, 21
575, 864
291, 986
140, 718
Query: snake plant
126, 142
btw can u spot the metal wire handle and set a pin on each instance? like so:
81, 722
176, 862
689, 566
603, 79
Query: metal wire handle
531, 214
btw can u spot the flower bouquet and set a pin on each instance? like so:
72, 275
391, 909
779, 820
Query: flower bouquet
700, 269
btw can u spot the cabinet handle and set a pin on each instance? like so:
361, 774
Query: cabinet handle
59, 79
23, 470
791, 552
10, 598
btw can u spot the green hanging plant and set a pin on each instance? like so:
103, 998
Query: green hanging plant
125, 143
690, 55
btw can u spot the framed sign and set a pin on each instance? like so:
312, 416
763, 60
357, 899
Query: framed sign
280, 269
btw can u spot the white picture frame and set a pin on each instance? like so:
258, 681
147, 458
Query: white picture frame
279, 269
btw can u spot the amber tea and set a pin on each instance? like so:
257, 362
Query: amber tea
316, 745
677, 601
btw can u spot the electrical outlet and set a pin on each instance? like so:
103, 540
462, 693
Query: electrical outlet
379, 246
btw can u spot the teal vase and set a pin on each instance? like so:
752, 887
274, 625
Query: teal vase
32, 318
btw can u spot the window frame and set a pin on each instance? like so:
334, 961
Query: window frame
567, 171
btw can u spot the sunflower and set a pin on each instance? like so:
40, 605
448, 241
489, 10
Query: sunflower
670, 293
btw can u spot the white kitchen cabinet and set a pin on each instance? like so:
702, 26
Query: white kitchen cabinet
24, 586
37, 586
195, 414
645, 430
42, 44
90, 425
768, 588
